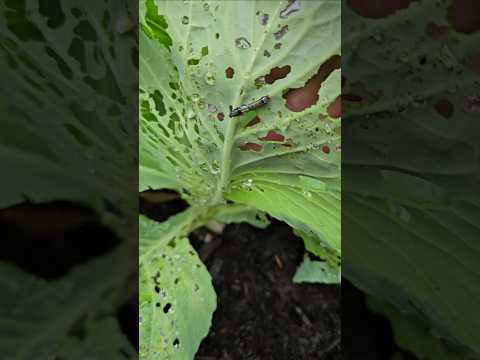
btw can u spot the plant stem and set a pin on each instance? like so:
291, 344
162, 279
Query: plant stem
226, 162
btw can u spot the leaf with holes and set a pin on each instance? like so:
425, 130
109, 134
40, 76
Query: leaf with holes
282, 158
41, 316
176, 294
66, 107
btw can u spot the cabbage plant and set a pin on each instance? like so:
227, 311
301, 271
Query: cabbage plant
198, 58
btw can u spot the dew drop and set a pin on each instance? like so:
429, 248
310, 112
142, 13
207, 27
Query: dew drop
195, 98
242, 43
263, 19
206, 7
293, 6
307, 194
185, 20
190, 113
247, 184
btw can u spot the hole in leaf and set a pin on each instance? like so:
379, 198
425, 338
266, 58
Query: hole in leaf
158, 100
85, 31
335, 108
229, 72
273, 136
249, 146
280, 33
76, 12
277, 73
77, 51
52, 10
301, 98
167, 308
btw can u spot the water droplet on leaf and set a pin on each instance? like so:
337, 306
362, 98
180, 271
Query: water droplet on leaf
185, 20
293, 6
242, 43
195, 98
263, 19
307, 194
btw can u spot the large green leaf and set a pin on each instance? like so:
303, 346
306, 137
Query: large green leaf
220, 54
66, 102
65, 318
410, 192
177, 298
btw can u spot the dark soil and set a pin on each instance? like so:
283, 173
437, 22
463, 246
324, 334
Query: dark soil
262, 314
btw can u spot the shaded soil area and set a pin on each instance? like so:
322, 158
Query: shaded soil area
365, 335
261, 313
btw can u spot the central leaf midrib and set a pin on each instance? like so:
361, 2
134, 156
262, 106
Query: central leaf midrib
232, 124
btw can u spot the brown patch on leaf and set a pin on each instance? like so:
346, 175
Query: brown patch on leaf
326, 149
251, 146
444, 108
335, 108
229, 72
464, 16
304, 97
277, 73
273, 136
378, 9
289, 143
220, 116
